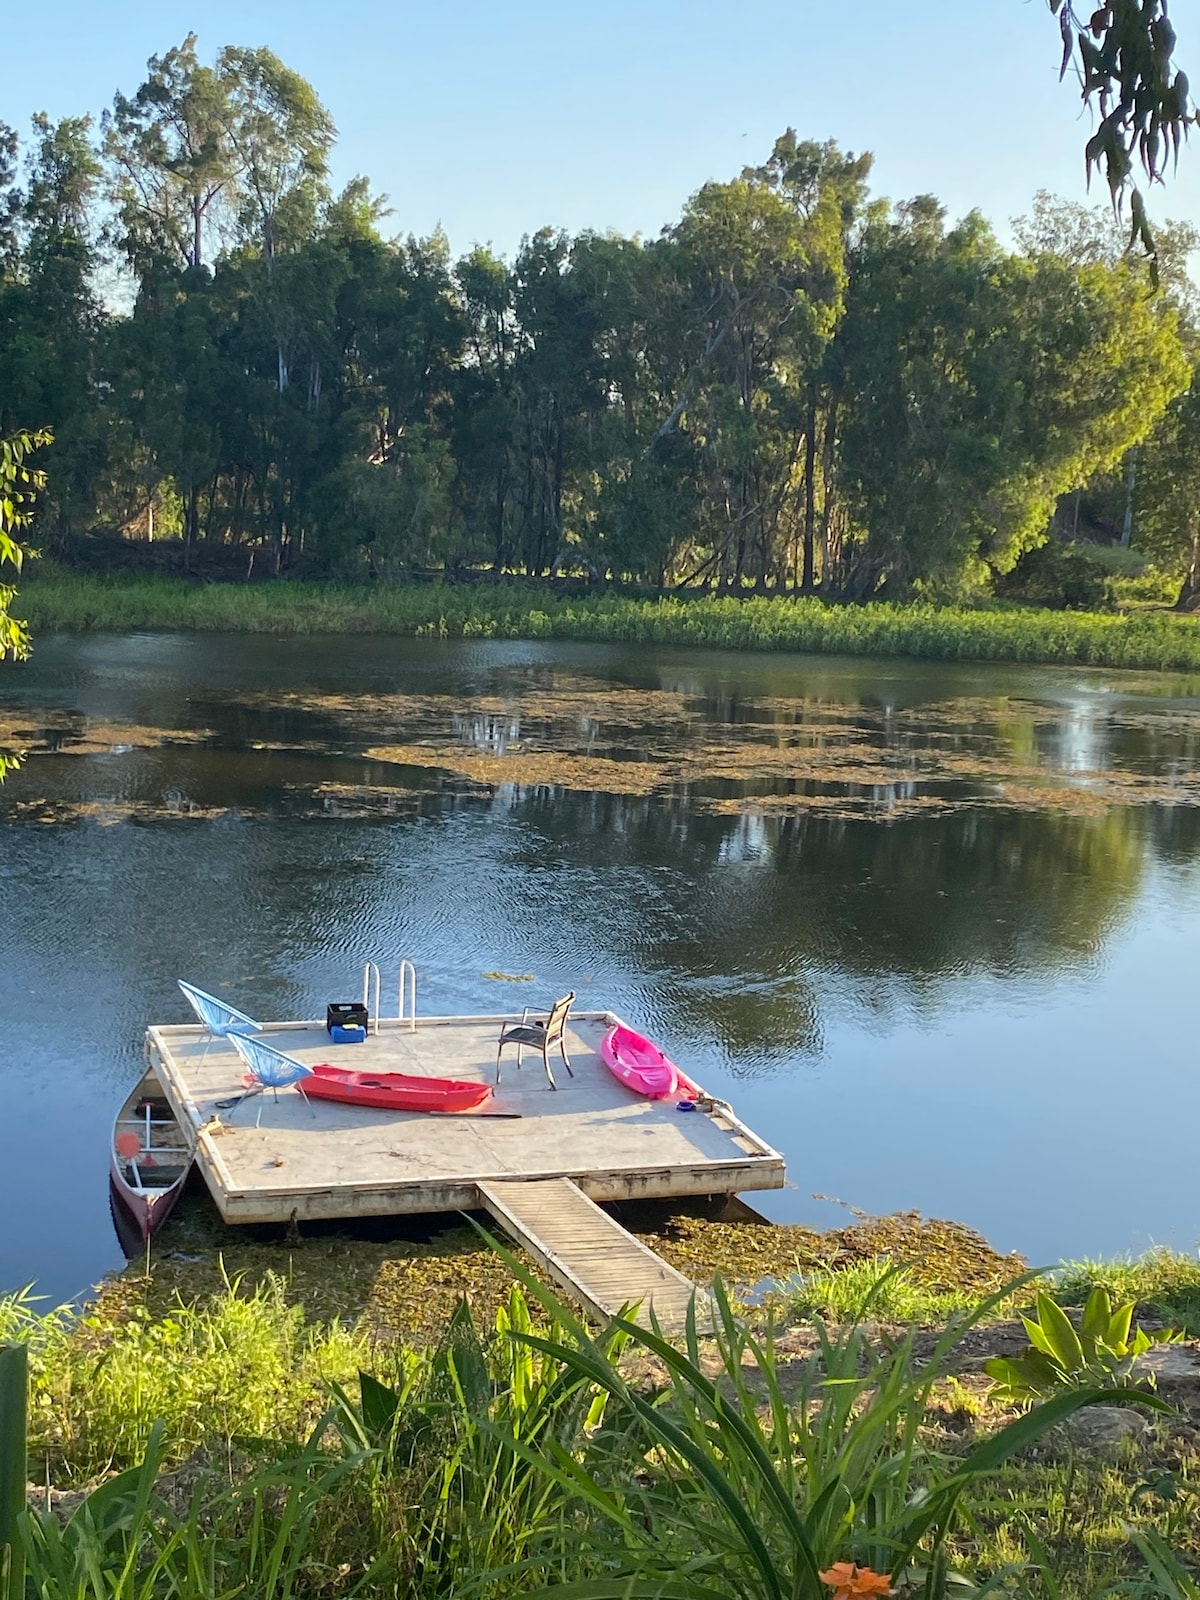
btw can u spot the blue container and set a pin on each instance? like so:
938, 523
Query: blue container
341, 1035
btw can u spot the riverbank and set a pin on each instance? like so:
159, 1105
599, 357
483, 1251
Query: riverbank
474, 1457
55, 601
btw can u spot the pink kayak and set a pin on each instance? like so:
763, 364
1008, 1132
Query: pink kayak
641, 1065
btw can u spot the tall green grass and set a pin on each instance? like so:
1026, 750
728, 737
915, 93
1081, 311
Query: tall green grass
536, 1457
58, 601
242, 1363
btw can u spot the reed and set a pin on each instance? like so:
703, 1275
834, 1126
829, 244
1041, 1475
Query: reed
64, 602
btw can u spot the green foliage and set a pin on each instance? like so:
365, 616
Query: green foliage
19, 485
254, 1534
243, 1364
1125, 50
1102, 1350
1137, 640
13, 1402
878, 1288
790, 388
1058, 574
540, 1458
1165, 1280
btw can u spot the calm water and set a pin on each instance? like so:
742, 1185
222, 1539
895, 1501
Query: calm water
934, 930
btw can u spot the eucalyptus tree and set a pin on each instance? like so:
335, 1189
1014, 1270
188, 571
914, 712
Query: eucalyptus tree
280, 135
10, 201
172, 165
47, 348
483, 415
1124, 51
765, 280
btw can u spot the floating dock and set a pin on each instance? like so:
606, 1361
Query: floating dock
536, 1158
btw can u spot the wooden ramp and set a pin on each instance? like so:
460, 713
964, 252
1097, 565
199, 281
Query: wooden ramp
588, 1253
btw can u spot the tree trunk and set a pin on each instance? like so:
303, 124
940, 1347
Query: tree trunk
808, 575
1190, 591
1130, 485
191, 527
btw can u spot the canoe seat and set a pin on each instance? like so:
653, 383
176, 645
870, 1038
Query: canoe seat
541, 1035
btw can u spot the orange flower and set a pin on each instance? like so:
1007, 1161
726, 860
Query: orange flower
851, 1582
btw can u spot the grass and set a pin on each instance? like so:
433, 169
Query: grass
240, 1362
877, 1289
56, 601
1166, 1282
530, 1457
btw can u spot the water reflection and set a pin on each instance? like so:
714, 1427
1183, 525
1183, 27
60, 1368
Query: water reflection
976, 974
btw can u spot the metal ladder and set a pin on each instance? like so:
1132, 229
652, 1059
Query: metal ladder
407, 991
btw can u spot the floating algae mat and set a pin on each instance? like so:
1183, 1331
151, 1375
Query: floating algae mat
305, 754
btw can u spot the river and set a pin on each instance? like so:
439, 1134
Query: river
933, 929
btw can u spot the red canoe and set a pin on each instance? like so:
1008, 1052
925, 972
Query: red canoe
641, 1065
392, 1091
151, 1154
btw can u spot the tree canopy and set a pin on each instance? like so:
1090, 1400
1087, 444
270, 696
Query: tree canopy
794, 387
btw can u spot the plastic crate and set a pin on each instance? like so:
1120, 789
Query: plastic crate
345, 1014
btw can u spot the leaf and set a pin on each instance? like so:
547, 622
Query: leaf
1062, 1342
379, 1406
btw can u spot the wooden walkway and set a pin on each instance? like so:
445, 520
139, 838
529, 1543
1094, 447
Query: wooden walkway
589, 1254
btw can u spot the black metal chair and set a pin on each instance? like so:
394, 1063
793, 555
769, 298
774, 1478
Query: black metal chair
542, 1036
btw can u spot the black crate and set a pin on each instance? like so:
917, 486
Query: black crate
345, 1014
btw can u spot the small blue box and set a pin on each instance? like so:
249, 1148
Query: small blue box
341, 1035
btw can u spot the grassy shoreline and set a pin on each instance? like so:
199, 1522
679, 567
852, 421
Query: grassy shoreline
269, 1457
55, 601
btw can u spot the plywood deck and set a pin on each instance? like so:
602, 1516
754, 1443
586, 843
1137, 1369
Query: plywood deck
328, 1160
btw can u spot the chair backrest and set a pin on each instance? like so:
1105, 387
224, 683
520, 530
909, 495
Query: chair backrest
557, 1020
216, 1015
270, 1067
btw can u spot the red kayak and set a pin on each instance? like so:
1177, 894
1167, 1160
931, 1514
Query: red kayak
392, 1091
641, 1065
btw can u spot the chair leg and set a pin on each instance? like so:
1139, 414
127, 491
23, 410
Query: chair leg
566, 1062
546, 1064
499, 1051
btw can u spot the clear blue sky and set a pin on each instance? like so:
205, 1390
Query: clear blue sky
494, 119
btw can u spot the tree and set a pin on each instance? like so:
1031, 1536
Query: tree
172, 162
19, 485
980, 387
1168, 496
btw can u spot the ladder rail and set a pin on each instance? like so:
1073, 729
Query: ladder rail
407, 970
371, 970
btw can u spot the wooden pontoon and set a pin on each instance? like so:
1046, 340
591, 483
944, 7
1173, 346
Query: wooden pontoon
592, 1136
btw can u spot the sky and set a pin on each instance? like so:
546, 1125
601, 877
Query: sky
493, 120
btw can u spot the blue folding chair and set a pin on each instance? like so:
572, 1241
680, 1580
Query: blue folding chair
271, 1068
221, 1021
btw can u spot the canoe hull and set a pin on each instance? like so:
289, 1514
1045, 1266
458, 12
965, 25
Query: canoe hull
150, 1156
640, 1064
148, 1213
393, 1091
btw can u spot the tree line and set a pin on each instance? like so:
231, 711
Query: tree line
796, 387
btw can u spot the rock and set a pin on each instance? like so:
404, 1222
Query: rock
1102, 1429
1172, 1363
